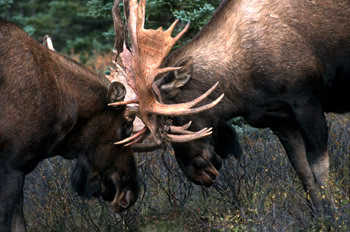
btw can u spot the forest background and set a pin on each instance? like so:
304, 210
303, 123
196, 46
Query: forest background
86, 26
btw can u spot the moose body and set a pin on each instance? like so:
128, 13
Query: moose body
51, 105
281, 64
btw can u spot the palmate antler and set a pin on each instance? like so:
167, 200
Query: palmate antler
141, 66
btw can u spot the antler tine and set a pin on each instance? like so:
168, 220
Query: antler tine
189, 137
185, 108
181, 109
181, 33
136, 13
180, 128
133, 137
133, 101
172, 27
118, 27
47, 42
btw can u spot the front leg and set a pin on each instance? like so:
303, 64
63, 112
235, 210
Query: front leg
11, 200
18, 223
313, 126
293, 142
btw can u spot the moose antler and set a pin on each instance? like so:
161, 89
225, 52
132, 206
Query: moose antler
142, 65
47, 42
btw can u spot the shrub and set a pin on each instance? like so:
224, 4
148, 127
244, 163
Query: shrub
261, 192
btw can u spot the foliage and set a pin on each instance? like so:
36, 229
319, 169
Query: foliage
261, 192
86, 26
4, 5
163, 13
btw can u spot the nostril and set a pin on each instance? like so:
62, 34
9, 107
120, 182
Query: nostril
211, 173
125, 201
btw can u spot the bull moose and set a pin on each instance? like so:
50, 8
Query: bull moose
52, 105
281, 65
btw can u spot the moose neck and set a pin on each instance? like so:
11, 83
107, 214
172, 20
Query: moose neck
79, 84
73, 85
215, 58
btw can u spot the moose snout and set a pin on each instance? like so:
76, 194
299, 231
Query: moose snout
206, 171
123, 201
209, 176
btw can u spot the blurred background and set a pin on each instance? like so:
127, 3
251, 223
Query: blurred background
85, 27
260, 192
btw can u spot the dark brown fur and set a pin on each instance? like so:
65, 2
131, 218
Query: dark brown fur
281, 65
51, 105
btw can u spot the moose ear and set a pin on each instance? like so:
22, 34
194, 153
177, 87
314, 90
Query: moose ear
179, 77
116, 92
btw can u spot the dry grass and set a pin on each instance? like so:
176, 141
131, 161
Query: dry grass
259, 193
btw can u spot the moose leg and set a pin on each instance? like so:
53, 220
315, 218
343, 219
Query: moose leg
11, 198
314, 128
18, 223
293, 142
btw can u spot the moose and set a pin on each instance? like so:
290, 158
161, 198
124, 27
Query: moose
280, 64
52, 105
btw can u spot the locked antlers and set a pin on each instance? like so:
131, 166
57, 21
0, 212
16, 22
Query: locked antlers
141, 66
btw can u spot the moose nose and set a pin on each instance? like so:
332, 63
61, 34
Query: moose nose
122, 201
209, 176
125, 201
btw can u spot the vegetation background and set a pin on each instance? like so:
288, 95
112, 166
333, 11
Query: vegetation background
261, 192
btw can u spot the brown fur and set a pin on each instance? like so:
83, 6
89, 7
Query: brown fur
281, 64
51, 105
